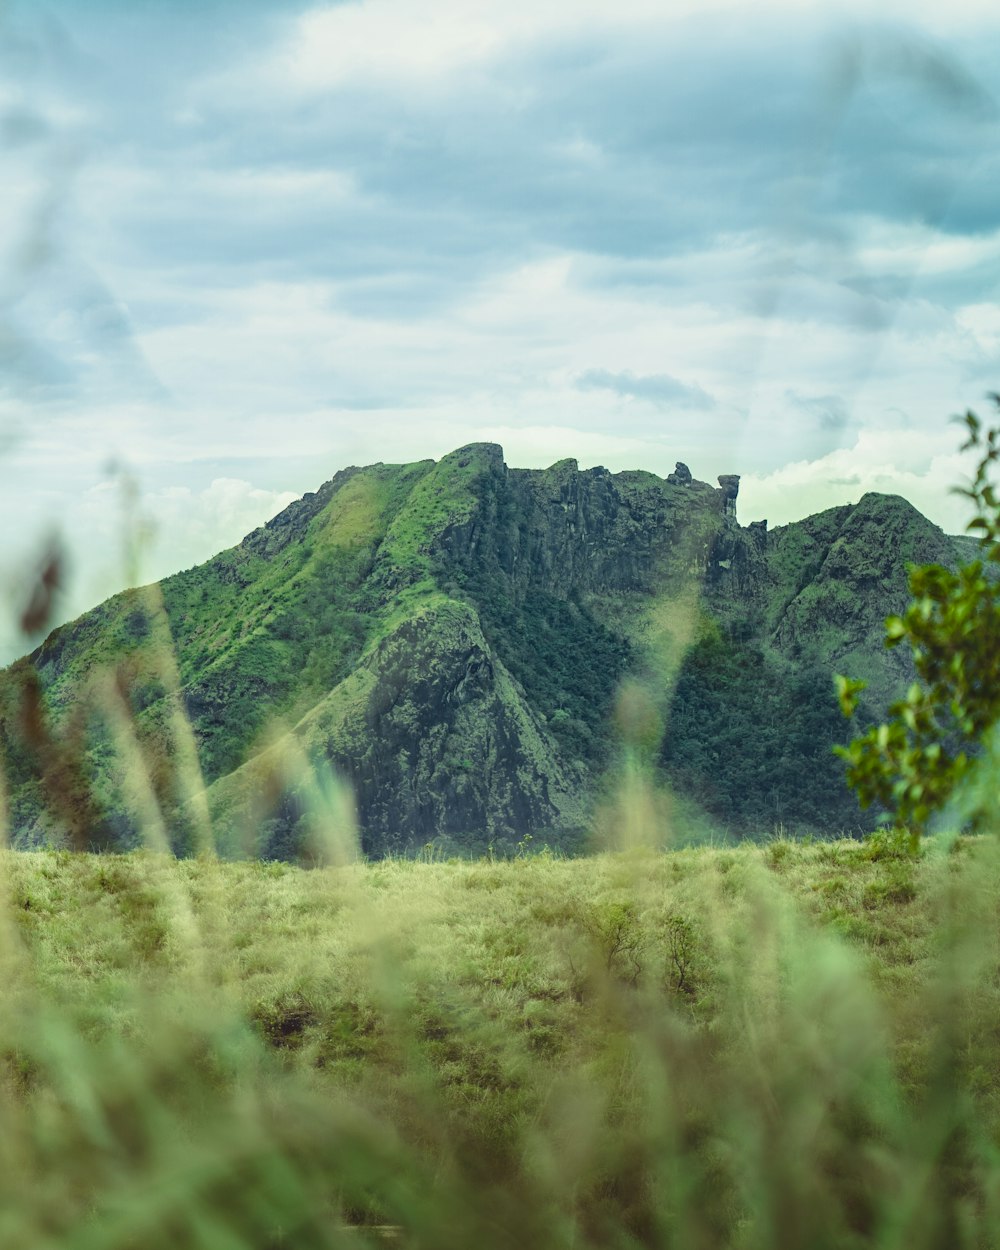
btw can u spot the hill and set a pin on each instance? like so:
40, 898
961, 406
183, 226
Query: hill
454, 639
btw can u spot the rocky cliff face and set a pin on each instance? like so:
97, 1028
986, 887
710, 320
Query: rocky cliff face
451, 638
437, 740
575, 532
818, 591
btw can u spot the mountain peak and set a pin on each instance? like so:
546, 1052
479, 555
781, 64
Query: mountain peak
477, 454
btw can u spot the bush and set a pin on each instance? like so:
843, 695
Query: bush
914, 763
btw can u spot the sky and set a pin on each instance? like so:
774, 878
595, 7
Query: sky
246, 243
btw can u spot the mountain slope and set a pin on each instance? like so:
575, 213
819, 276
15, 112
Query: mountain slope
451, 637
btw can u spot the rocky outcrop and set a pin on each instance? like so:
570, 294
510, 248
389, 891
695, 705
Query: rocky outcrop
819, 590
585, 532
729, 484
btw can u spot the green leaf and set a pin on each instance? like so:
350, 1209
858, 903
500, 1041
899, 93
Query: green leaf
952, 627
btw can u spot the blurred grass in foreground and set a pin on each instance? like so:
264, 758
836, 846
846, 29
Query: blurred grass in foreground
780, 1046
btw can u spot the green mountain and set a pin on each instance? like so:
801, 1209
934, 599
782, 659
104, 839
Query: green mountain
468, 645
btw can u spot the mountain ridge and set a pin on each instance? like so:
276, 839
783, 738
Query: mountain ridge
451, 636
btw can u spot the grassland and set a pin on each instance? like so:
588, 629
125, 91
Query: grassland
789, 1045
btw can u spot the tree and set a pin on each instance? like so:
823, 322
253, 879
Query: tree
913, 763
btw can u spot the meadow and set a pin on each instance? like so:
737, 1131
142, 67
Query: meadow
792, 1044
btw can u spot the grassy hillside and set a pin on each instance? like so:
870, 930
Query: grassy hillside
778, 1046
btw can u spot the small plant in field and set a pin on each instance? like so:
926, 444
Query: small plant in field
777, 852
913, 762
283, 1021
681, 950
888, 844
896, 886
617, 930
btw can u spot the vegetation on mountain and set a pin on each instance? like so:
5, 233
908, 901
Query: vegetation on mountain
745, 733
452, 638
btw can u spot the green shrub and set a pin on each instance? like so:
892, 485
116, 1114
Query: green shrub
914, 762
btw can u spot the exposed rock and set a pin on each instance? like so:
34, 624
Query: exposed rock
730, 485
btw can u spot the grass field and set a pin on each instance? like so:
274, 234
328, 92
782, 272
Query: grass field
788, 1045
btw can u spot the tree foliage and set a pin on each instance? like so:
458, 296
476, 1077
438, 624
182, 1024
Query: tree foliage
750, 737
913, 762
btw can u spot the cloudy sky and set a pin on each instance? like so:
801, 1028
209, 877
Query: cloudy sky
245, 243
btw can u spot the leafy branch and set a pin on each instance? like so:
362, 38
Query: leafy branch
912, 763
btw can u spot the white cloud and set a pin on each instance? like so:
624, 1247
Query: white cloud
380, 40
385, 39
403, 41
911, 248
981, 323
921, 466
189, 526
168, 529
